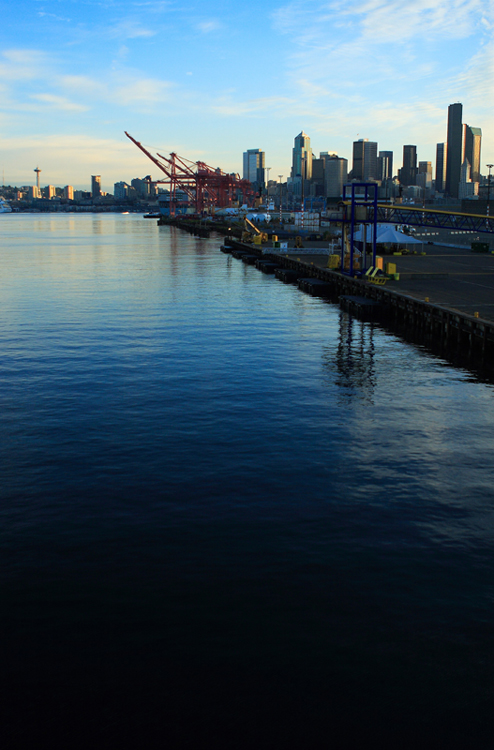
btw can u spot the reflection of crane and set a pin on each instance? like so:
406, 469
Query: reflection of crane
204, 186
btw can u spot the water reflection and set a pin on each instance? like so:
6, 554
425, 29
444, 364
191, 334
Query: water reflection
351, 365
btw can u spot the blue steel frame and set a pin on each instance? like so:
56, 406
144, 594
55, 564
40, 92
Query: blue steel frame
366, 197
420, 217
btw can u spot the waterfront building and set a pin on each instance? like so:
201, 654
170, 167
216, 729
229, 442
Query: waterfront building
408, 173
472, 138
68, 192
441, 151
120, 190
142, 187
336, 175
364, 166
301, 162
96, 185
254, 165
385, 165
454, 157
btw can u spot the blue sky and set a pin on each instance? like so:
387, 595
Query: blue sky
212, 79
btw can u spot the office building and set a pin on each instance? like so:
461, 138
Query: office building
50, 191
254, 165
385, 165
408, 172
33, 192
364, 167
142, 187
301, 162
121, 190
454, 158
467, 188
441, 151
96, 185
472, 138
424, 177
318, 176
68, 192
336, 175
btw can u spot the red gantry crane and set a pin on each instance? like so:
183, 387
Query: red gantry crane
204, 186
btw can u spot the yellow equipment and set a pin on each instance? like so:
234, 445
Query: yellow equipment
255, 232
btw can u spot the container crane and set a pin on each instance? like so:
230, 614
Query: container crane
203, 185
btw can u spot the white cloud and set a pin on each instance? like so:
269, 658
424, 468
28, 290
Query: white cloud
206, 27
129, 29
22, 64
227, 106
122, 88
59, 102
70, 158
143, 91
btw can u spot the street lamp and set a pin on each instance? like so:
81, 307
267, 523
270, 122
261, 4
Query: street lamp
280, 176
489, 184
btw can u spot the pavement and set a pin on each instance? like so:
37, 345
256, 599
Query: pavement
456, 278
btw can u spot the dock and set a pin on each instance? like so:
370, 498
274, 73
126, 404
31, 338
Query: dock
443, 299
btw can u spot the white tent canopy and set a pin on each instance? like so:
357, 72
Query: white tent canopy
386, 233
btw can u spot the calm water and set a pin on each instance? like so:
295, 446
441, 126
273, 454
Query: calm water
229, 510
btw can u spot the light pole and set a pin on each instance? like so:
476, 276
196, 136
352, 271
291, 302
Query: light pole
280, 176
488, 191
489, 184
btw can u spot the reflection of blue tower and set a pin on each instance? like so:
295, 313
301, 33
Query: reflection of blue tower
37, 170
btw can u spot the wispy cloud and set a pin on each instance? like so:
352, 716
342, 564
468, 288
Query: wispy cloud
129, 29
43, 14
230, 107
22, 64
59, 102
208, 26
123, 88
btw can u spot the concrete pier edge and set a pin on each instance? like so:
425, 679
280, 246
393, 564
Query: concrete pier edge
457, 335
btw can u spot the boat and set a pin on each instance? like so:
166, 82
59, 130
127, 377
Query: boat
152, 216
5, 208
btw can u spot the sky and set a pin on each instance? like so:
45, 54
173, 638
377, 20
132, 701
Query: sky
210, 80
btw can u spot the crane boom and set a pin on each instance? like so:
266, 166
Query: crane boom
205, 186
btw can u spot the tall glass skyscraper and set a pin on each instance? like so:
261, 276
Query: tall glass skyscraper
302, 158
441, 151
364, 166
254, 165
454, 157
472, 142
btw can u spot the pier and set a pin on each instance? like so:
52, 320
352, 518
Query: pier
444, 300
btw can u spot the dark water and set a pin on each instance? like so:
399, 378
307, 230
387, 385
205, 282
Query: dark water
230, 512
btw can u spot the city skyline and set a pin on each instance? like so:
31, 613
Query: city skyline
75, 75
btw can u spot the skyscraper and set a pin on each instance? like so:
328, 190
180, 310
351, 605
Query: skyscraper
364, 165
454, 157
254, 165
301, 158
96, 185
385, 165
408, 173
336, 175
472, 142
441, 151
